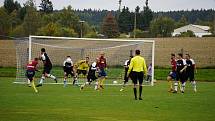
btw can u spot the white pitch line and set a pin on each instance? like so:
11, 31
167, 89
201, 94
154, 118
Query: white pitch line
77, 83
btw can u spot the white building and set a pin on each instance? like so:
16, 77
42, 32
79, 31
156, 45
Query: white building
198, 30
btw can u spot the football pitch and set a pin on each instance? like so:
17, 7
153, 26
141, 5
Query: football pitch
55, 103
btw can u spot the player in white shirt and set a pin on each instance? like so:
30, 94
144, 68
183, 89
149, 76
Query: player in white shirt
126, 78
68, 69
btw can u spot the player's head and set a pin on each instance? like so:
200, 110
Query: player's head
36, 59
180, 55
172, 55
43, 50
187, 56
102, 54
68, 56
87, 59
137, 52
68, 59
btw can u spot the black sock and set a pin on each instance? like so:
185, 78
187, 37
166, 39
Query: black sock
140, 91
135, 93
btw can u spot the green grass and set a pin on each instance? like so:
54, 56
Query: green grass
55, 103
160, 74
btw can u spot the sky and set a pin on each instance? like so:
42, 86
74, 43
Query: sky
155, 5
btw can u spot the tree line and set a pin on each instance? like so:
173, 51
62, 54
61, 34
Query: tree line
23, 20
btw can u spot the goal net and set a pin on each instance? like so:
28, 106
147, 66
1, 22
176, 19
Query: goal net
117, 51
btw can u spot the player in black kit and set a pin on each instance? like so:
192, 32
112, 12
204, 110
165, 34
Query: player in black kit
190, 71
47, 67
180, 73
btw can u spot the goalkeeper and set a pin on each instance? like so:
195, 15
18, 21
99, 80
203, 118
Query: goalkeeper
81, 68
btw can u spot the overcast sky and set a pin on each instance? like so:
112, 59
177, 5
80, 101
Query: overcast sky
155, 5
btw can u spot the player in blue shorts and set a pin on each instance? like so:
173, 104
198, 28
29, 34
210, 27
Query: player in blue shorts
172, 75
30, 72
102, 66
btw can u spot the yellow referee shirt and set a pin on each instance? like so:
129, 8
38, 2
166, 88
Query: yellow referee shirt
138, 64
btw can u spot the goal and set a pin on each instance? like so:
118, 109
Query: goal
117, 51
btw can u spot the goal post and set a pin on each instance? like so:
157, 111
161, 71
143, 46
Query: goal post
117, 51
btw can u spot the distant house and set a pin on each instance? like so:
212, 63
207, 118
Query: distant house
198, 30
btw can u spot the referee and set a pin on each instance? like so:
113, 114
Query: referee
138, 68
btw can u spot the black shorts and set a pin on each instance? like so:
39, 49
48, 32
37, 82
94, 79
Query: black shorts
126, 78
190, 75
68, 72
47, 69
91, 78
30, 74
137, 76
181, 76
84, 72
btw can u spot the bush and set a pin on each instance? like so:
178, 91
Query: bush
187, 34
18, 31
91, 35
68, 32
140, 34
124, 36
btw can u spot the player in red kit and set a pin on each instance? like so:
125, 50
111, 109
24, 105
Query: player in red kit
172, 74
102, 66
30, 72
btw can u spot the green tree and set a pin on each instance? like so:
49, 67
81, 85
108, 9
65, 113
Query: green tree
68, 32
51, 29
5, 22
32, 20
125, 21
68, 18
139, 18
110, 27
162, 27
10, 5
15, 20
46, 6
182, 22
18, 31
147, 17
54, 29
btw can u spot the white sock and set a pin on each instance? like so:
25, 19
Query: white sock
194, 85
29, 82
51, 76
96, 85
42, 79
64, 81
176, 86
183, 86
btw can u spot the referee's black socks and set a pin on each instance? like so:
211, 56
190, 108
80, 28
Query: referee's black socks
135, 93
140, 91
